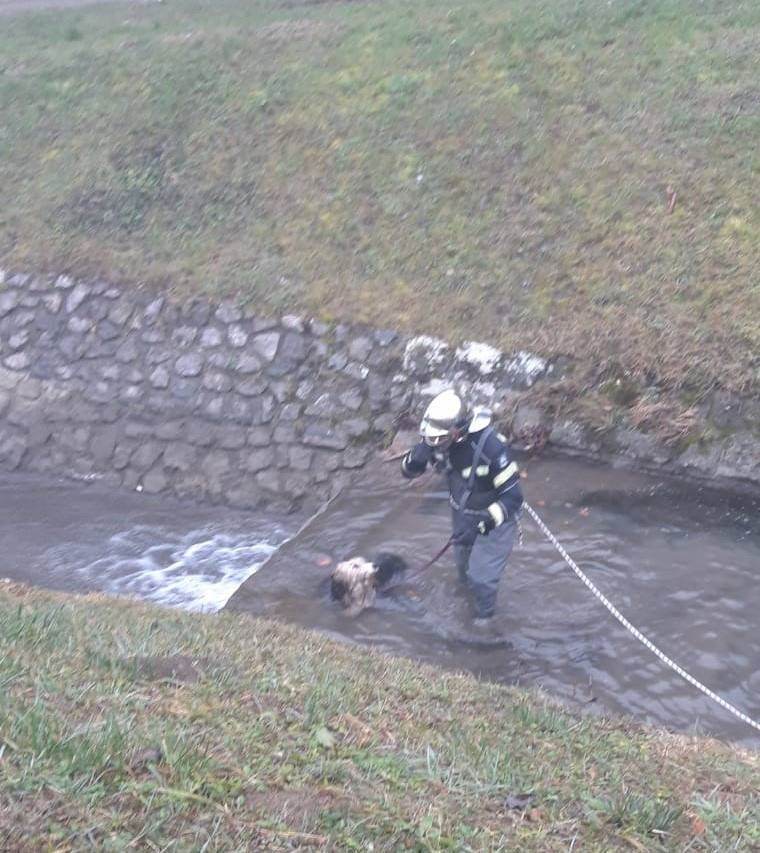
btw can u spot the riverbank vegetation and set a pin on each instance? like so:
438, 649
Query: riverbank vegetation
123, 726
562, 176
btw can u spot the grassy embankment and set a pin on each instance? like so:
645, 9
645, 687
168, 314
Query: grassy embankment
266, 737
495, 169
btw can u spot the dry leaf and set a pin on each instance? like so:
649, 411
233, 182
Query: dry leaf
698, 826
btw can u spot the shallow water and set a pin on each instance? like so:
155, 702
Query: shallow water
85, 538
681, 562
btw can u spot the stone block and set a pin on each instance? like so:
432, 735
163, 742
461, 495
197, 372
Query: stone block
356, 427
153, 335
282, 389
230, 437
127, 352
216, 381
12, 450
265, 345
213, 408
23, 318
154, 481
184, 389
200, 433
259, 436
9, 300
293, 323
120, 312
285, 434
269, 480
107, 330
228, 312
76, 297
211, 337
290, 412
53, 302
198, 312
296, 484
355, 457
292, 347
159, 378
215, 466
153, 310
337, 361
17, 361
300, 458
180, 456
323, 435
352, 399
359, 349
79, 325
8, 379
237, 336
29, 389
252, 387
146, 455
385, 337
39, 434
130, 394
248, 363
103, 444
184, 336
257, 460
171, 430
121, 454
189, 364
244, 494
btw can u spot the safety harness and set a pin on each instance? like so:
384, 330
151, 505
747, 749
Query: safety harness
461, 504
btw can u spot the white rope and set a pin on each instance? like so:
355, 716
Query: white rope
635, 631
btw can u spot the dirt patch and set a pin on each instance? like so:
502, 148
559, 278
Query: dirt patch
297, 807
300, 29
173, 668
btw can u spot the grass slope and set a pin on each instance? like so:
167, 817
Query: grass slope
496, 169
123, 726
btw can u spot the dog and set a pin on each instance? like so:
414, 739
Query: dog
354, 583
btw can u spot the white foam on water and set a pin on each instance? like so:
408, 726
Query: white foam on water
197, 571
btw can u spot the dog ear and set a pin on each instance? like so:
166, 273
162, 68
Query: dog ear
338, 589
387, 567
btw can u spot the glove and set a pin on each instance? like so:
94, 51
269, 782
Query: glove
486, 524
416, 460
420, 455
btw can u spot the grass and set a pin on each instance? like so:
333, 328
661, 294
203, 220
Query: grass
498, 169
123, 726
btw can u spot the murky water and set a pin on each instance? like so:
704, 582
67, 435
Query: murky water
682, 563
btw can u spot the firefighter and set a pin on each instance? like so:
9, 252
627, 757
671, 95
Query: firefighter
484, 492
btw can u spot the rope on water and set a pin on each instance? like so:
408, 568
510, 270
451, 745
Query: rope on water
635, 631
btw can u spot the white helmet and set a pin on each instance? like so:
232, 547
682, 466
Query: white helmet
445, 414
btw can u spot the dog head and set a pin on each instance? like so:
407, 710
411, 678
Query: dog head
353, 584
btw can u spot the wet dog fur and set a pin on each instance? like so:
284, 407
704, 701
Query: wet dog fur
354, 583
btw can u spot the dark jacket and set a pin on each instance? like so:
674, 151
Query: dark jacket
496, 484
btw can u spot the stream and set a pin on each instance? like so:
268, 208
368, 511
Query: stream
680, 561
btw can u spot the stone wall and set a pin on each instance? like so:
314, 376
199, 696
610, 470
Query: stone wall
206, 401
216, 402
